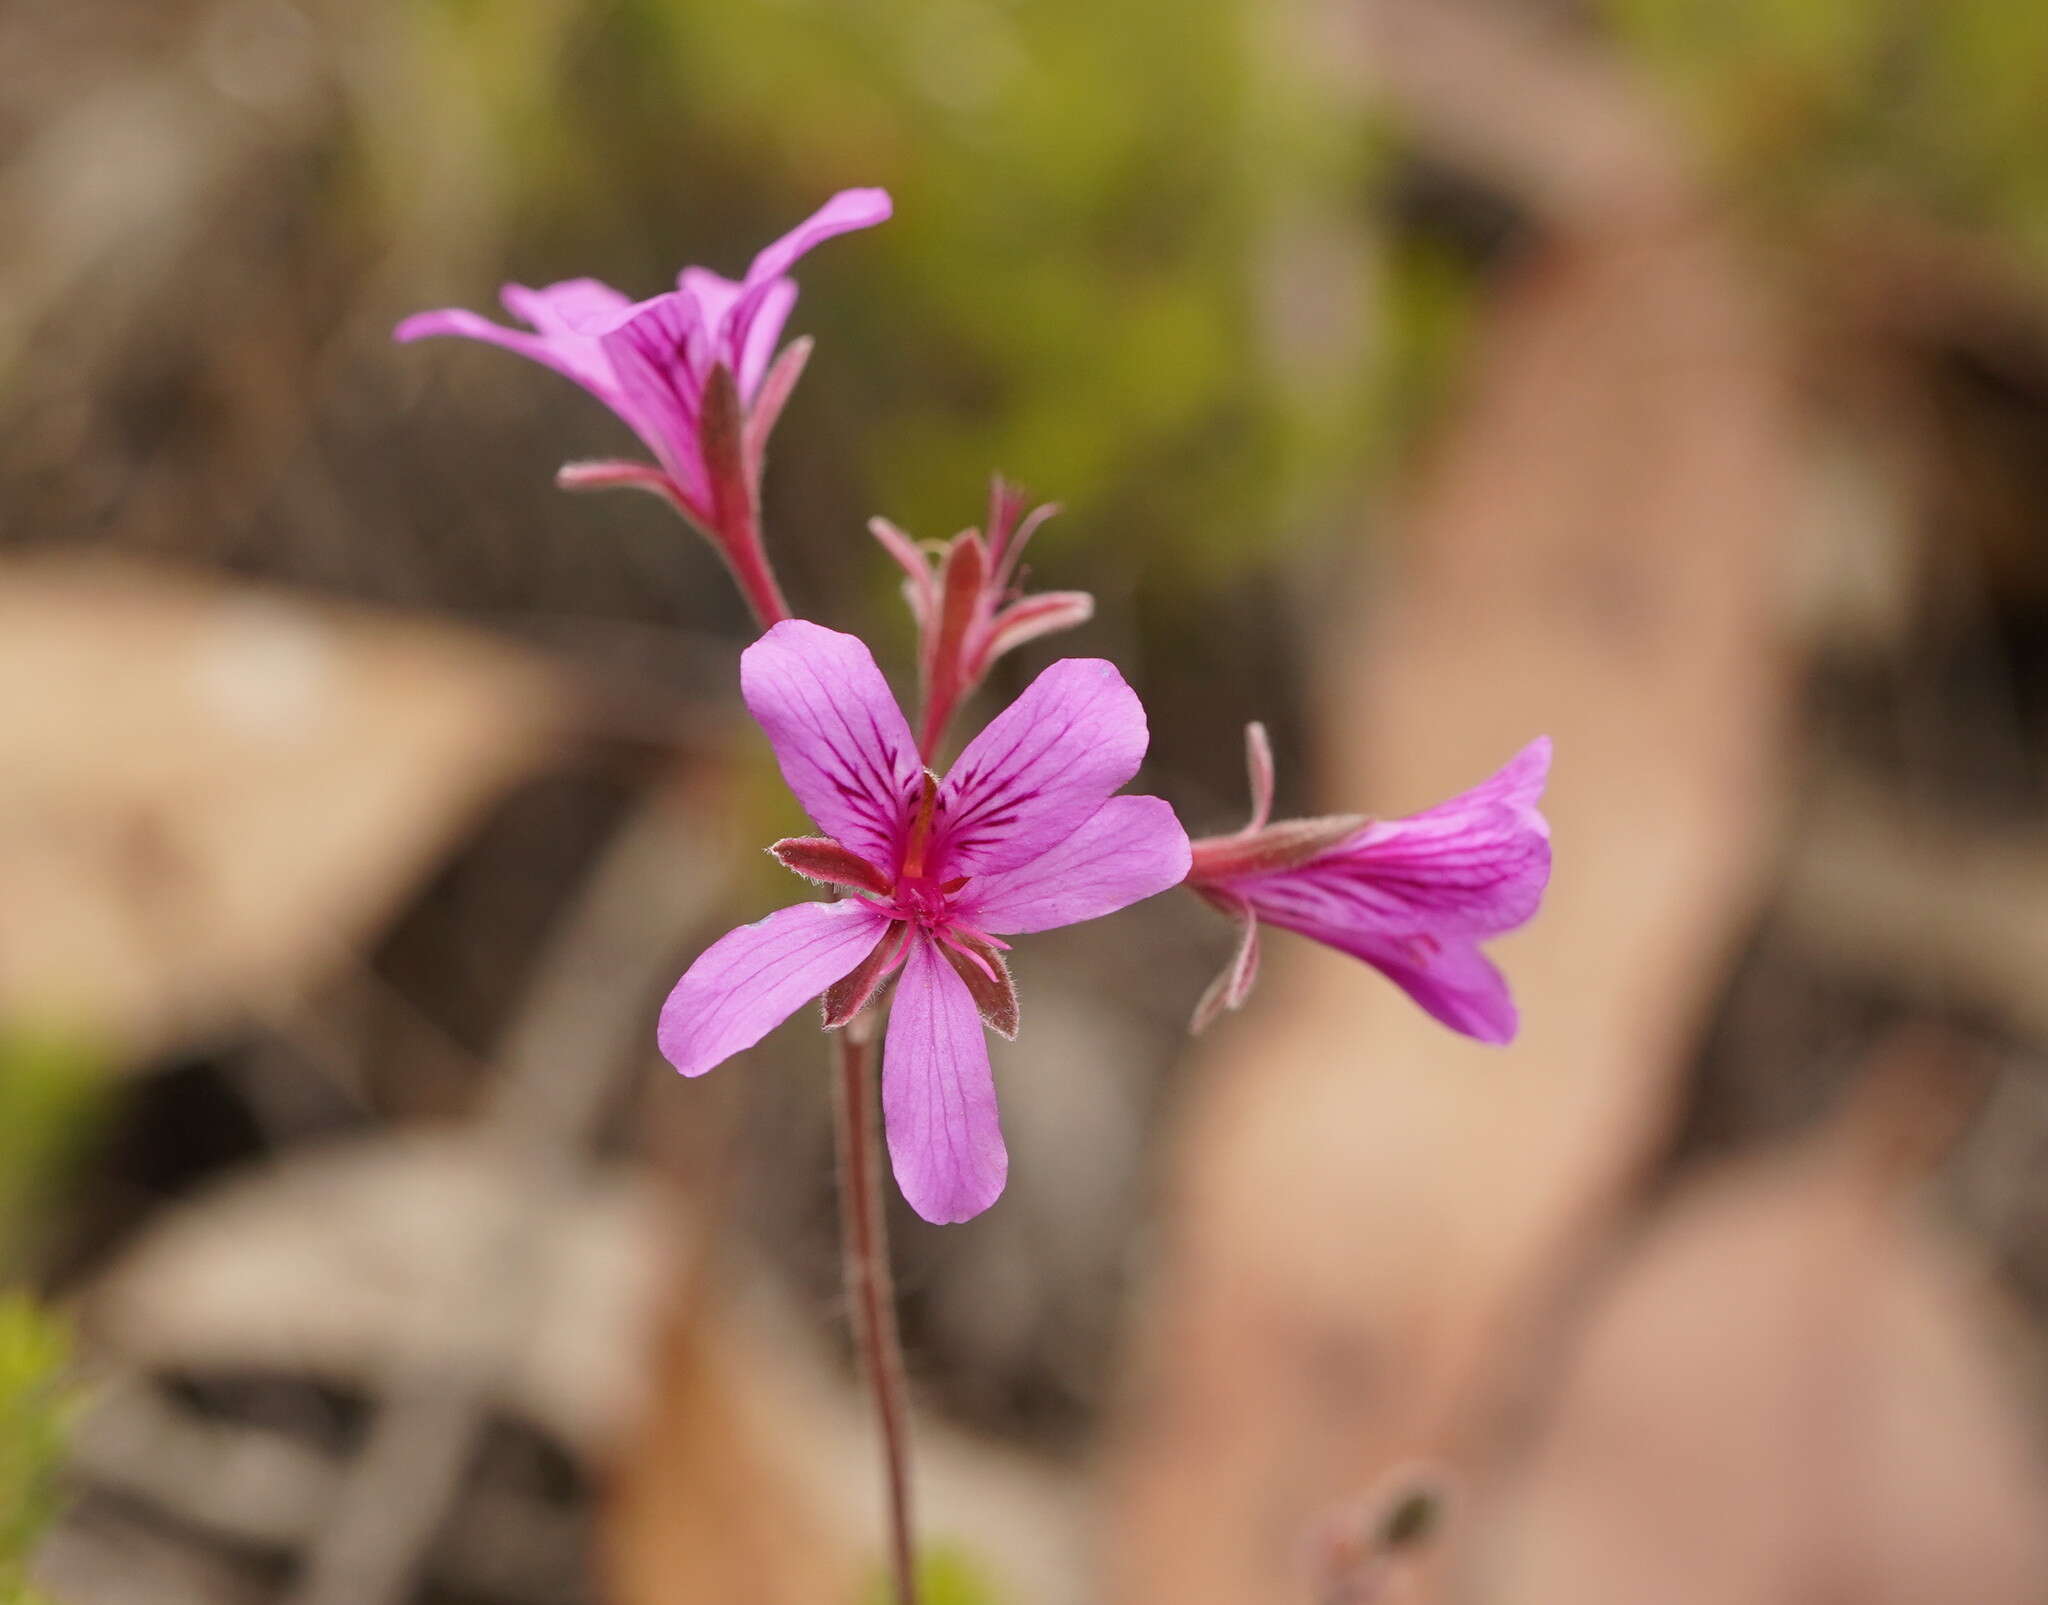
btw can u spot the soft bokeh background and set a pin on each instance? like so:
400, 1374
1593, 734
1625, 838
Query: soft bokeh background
1667, 375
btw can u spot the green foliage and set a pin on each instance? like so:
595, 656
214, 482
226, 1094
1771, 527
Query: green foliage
49, 1092
32, 1411
946, 1575
1076, 286
1941, 102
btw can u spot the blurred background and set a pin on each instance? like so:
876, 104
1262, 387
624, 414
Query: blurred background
1669, 376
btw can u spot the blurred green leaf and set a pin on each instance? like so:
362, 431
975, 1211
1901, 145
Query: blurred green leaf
33, 1351
946, 1575
50, 1089
1942, 104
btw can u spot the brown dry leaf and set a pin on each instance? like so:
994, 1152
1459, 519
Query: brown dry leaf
755, 1474
1789, 1394
208, 792
715, 1496
1367, 1214
343, 1260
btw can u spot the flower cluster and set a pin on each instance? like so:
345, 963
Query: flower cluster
1027, 831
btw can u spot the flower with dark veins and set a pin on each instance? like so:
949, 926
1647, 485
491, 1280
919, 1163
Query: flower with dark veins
1412, 897
693, 371
1023, 835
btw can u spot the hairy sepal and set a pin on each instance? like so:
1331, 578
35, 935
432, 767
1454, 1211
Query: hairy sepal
1045, 614
988, 980
1230, 989
820, 858
854, 991
1287, 845
781, 379
920, 588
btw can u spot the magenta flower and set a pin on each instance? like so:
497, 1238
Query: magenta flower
693, 372
1412, 897
1022, 835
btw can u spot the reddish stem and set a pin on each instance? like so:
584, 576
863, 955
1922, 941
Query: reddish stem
869, 1288
738, 540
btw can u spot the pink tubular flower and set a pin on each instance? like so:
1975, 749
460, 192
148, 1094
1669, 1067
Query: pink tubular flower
1412, 897
968, 603
1022, 835
694, 372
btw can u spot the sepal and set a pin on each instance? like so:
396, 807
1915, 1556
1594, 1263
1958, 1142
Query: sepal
977, 963
855, 990
1045, 614
781, 379
1287, 845
820, 858
1230, 989
619, 474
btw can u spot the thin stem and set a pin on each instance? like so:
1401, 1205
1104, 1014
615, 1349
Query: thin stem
869, 1288
740, 545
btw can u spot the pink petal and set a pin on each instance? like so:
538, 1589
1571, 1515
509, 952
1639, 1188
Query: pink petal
750, 327
585, 307
1454, 982
749, 341
750, 980
848, 210
660, 355
1476, 865
1041, 768
745, 320
1517, 786
572, 356
1131, 849
715, 294
938, 1095
842, 742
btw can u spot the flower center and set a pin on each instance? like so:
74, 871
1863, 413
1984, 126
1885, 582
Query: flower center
923, 899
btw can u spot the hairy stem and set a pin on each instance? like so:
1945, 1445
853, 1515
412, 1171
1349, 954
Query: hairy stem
870, 1290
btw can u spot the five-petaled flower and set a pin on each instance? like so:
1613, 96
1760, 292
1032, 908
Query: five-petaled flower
1022, 835
1412, 897
693, 371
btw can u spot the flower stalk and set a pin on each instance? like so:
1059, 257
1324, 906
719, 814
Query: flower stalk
870, 1288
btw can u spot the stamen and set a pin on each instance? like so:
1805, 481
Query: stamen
968, 953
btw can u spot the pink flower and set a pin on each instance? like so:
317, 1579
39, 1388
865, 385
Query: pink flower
1022, 835
693, 371
1412, 897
